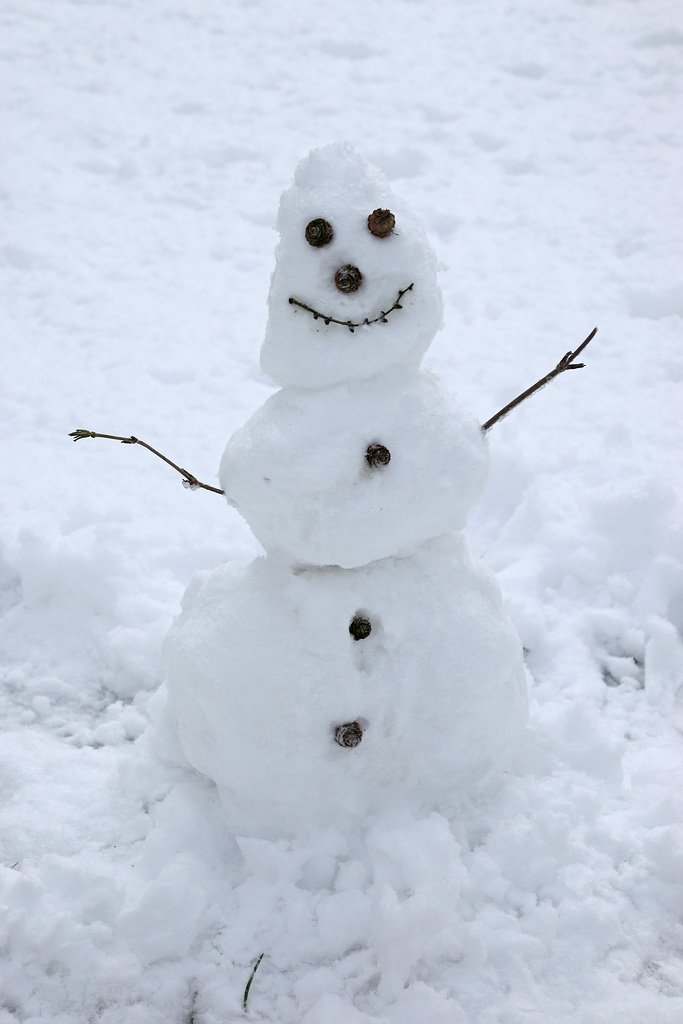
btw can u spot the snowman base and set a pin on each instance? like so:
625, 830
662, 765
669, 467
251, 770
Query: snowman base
263, 671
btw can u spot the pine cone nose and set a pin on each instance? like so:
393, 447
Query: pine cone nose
348, 278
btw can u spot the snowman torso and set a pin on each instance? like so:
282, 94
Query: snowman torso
300, 473
365, 662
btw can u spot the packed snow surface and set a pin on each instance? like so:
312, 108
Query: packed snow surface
145, 148
298, 472
262, 668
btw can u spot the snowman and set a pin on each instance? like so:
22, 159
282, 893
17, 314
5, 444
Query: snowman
364, 663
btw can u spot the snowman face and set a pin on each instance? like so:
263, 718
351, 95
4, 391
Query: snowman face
348, 278
354, 291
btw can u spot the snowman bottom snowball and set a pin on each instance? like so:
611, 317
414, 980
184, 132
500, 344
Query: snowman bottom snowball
265, 665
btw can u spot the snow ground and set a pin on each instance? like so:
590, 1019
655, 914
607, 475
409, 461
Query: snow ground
144, 149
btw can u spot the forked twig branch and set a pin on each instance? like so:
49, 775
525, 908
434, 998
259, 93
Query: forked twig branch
565, 363
188, 479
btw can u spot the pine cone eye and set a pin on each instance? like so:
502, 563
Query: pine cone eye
319, 232
348, 278
381, 223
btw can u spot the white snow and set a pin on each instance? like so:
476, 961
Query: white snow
144, 151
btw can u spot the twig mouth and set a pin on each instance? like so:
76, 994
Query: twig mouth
381, 319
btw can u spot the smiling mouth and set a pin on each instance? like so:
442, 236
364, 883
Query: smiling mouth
381, 319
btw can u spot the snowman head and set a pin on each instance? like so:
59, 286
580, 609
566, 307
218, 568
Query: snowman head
354, 290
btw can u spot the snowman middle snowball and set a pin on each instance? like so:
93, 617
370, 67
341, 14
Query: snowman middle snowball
365, 662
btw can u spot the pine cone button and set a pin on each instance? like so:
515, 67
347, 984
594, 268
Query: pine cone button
319, 232
381, 223
348, 735
348, 278
377, 455
360, 627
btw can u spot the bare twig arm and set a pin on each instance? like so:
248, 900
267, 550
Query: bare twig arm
565, 363
191, 481
188, 479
